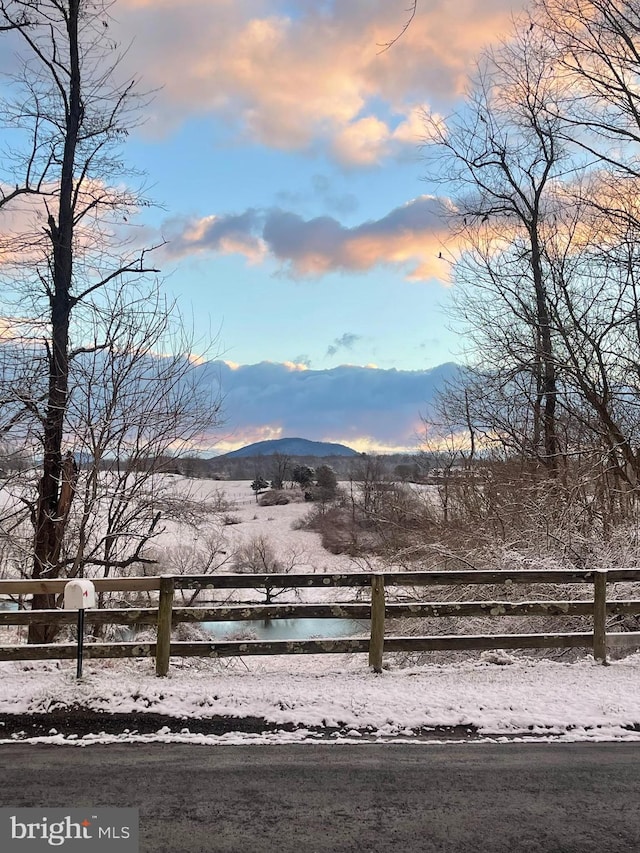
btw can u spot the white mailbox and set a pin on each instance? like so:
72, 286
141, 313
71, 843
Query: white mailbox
79, 594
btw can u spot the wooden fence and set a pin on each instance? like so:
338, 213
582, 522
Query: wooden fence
166, 614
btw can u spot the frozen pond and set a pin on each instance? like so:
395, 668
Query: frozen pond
289, 629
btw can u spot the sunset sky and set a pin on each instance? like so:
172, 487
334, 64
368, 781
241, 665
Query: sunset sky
284, 145
286, 150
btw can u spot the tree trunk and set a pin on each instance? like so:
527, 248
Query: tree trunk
548, 382
55, 491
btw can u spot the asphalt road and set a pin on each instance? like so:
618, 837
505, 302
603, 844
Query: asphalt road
480, 798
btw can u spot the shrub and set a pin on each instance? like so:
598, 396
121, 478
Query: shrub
274, 497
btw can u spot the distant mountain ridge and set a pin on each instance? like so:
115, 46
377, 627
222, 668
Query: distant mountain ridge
291, 447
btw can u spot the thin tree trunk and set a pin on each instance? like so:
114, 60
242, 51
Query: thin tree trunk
548, 385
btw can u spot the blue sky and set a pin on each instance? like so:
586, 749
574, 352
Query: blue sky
275, 115
285, 150
294, 313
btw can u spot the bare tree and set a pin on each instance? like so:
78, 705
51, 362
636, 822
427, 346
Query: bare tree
63, 241
543, 164
208, 554
368, 480
131, 410
594, 274
597, 53
594, 264
502, 156
280, 470
258, 556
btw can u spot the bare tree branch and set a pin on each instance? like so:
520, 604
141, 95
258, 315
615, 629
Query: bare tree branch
412, 13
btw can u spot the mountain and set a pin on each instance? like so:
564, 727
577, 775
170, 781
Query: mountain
291, 447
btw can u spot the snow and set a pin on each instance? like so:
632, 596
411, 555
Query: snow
333, 698
501, 700
277, 524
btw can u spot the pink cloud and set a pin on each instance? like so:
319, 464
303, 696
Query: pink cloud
288, 81
410, 235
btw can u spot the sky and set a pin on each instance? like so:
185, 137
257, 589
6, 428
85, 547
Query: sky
285, 146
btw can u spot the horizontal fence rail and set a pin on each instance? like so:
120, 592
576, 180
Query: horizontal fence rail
356, 612
167, 614
337, 579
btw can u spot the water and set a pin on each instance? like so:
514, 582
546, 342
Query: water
273, 629
289, 629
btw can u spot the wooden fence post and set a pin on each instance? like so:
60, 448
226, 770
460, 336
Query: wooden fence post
376, 643
600, 615
163, 638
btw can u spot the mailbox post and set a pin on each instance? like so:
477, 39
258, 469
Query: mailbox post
79, 595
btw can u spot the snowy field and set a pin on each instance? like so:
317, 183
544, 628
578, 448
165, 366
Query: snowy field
497, 696
277, 524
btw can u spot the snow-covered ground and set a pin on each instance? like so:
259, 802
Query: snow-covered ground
497, 696
277, 524
500, 697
